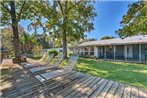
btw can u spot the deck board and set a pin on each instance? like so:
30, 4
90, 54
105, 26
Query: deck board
112, 90
86, 89
76, 85
91, 90
119, 91
82, 90
105, 90
70, 87
127, 91
134, 92
99, 89
142, 93
80, 86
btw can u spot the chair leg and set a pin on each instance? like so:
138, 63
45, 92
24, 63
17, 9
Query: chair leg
46, 89
43, 91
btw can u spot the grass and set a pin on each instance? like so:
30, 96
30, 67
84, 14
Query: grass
129, 73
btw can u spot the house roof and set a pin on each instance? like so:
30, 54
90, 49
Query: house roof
117, 41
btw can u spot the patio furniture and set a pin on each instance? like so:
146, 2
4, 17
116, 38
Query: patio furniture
43, 57
44, 77
28, 65
36, 61
54, 66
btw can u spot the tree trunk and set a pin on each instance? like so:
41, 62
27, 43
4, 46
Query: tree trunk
15, 33
35, 33
64, 37
64, 45
44, 32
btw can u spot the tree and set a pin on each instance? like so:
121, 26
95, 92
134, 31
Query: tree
6, 39
7, 36
135, 21
28, 43
67, 19
107, 37
35, 26
12, 12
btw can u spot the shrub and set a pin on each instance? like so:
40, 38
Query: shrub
70, 54
37, 57
53, 51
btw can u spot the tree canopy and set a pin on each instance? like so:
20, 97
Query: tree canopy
107, 37
68, 20
135, 20
11, 13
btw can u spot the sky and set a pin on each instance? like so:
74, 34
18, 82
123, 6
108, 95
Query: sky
109, 14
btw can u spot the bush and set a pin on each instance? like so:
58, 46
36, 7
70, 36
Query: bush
53, 51
37, 57
70, 54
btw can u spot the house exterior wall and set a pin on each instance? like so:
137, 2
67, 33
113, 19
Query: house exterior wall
132, 52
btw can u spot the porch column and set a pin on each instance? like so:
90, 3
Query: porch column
83, 51
105, 52
125, 52
80, 51
89, 50
96, 52
114, 51
139, 52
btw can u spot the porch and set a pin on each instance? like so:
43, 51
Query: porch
128, 53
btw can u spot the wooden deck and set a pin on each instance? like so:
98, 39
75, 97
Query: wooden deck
76, 85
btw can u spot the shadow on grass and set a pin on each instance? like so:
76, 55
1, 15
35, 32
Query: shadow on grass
130, 73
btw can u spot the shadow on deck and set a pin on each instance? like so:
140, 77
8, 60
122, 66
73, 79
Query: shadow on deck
77, 85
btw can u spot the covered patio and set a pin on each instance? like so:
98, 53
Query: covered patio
132, 49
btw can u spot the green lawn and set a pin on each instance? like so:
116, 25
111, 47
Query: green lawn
129, 73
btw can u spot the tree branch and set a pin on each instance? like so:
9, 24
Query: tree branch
61, 7
20, 13
66, 6
8, 10
73, 6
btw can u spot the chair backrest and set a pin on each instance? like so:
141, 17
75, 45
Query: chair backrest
50, 58
43, 57
71, 62
59, 60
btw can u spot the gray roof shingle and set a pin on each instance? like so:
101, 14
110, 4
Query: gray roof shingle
117, 41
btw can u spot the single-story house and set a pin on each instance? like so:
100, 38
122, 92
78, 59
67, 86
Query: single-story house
128, 49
